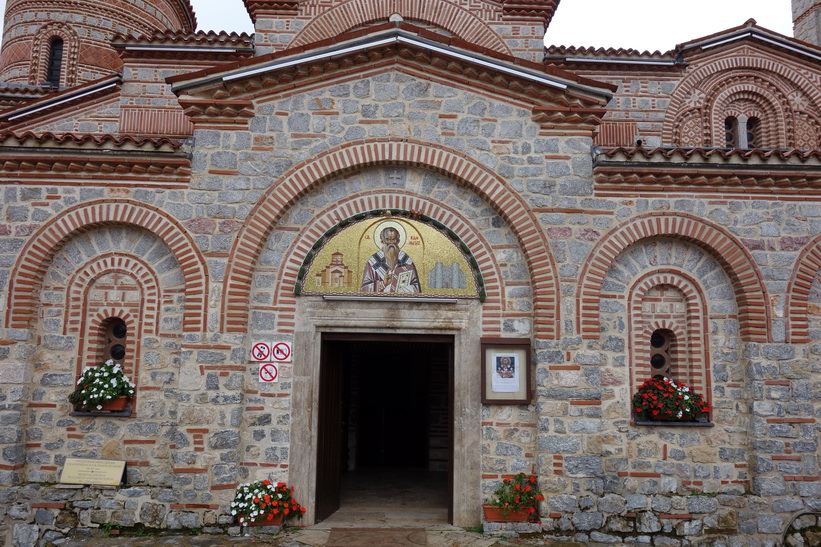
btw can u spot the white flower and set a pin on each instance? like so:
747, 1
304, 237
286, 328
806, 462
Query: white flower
99, 407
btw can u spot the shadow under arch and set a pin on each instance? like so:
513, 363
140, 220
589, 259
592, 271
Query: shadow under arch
748, 286
39, 251
307, 175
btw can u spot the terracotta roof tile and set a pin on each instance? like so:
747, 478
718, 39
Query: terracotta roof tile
728, 154
73, 140
210, 38
591, 52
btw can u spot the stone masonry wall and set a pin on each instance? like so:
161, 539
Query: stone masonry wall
203, 423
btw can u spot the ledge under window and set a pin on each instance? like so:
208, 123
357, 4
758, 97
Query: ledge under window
664, 423
117, 414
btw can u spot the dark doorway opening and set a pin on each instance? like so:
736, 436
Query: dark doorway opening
385, 434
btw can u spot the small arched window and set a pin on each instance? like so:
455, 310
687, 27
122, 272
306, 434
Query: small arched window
661, 342
55, 62
116, 338
753, 132
731, 132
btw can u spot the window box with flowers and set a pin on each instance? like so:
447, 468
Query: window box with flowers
263, 503
514, 501
661, 401
104, 389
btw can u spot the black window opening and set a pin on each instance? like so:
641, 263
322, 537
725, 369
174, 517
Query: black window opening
660, 345
116, 334
55, 62
730, 134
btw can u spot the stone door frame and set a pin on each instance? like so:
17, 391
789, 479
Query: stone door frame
462, 320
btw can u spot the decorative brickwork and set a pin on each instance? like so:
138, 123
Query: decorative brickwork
42, 48
459, 21
597, 192
670, 300
750, 292
304, 177
36, 257
739, 84
802, 293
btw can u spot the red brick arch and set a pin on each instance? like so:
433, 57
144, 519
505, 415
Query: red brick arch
748, 286
350, 157
796, 307
693, 344
38, 253
696, 88
77, 289
482, 250
457, 20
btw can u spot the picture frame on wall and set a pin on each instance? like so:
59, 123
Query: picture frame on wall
506, 371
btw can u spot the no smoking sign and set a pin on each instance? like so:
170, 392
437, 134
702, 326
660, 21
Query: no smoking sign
268, 373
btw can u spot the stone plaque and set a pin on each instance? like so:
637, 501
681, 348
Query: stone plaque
88, 471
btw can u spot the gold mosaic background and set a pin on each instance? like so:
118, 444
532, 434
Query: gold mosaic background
338, 266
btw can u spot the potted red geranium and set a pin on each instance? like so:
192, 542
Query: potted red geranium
661, 399
263, 503
514, 501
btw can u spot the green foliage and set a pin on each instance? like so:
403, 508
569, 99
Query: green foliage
517, 494
263, 500
663, 399
101, 384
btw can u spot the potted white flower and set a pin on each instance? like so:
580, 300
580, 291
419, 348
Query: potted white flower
102, 388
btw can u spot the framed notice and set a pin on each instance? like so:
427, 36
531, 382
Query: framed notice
506, 371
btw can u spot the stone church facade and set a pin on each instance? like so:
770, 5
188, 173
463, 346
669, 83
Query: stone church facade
180, 183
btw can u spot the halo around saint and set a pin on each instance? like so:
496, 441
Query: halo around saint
380, 227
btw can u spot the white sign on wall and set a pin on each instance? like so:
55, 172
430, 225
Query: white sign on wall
268, 373
281, 352
260, 351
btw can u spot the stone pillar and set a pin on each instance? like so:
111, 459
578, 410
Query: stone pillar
806, 17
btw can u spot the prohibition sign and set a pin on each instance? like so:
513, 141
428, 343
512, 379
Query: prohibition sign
261, 351
268, 372
281, 351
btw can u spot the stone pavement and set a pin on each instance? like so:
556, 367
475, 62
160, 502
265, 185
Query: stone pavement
309, 537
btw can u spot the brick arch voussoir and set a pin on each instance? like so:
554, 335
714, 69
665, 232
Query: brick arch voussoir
351, 205
712, 72
797, 303
745, 277
350, 157
77, 288
447, 15
39, 251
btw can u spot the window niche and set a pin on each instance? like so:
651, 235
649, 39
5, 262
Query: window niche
669, 336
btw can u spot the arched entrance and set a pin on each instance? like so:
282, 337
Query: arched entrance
385, 429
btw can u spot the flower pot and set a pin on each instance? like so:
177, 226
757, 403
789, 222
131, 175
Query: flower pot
262, 520
494, 513
118, 404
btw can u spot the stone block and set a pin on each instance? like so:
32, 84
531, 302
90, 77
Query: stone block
15, 373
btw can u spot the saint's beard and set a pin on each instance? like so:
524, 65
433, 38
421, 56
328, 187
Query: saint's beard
391, 255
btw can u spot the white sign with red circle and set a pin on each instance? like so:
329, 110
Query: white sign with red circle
260, 351
268, 372
281, 352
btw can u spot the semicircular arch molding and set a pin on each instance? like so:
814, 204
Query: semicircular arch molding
304, 177
750, 97
747, 282
696, 86
41, 48
797, 304
447, 15
37, 254
481, 250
